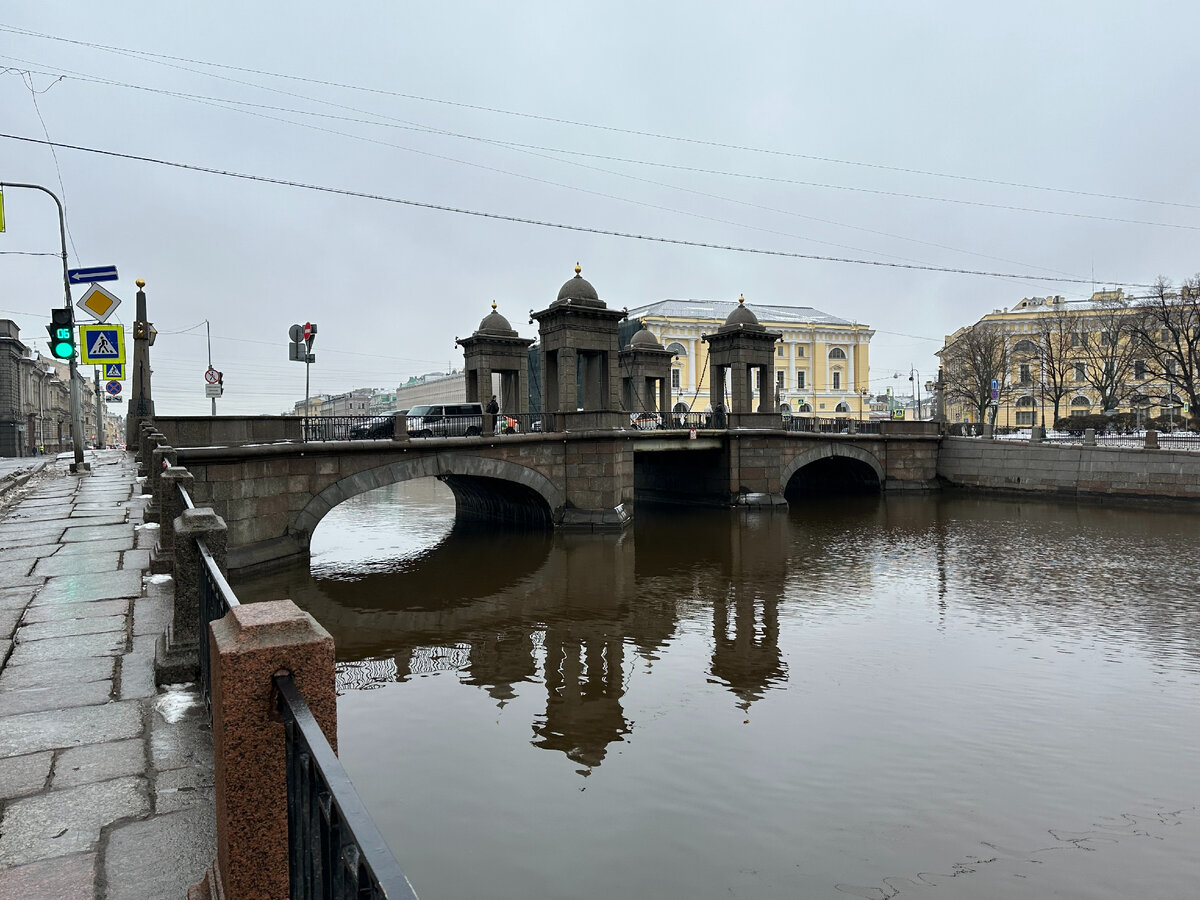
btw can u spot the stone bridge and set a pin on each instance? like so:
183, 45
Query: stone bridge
273, 495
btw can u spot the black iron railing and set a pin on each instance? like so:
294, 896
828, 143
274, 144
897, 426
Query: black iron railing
816, 425
216, 599
516, 423
336, 850
348, 428
444, 426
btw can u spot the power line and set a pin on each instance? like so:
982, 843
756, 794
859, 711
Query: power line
346, 192
149, 56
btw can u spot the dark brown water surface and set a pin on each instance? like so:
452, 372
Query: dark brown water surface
927, 697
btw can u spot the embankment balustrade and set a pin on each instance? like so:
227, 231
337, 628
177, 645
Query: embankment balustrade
289, 821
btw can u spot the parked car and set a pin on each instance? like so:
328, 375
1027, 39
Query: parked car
446, 420
380, 427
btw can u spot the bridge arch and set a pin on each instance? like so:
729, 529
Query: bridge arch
475, 481
859, 467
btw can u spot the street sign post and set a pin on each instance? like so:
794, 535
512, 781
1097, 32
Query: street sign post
114, 370
98, 303
212, 376
299, 351
214, 391
101, 344
93, 273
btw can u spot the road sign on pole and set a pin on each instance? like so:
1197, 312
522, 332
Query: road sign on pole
212, 376
101, 344
98, 303
114, 370
94, 273
113, 387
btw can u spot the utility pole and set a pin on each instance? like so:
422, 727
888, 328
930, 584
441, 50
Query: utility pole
76, 399
99, 409
208, 335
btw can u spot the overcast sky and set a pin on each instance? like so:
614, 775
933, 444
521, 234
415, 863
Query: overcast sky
1045, 140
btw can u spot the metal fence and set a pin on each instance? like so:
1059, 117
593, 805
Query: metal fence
336, 851
348, 428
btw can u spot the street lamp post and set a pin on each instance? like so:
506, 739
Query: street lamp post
76, 406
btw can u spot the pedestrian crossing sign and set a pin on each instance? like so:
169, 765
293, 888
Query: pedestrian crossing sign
114, 371
101, 344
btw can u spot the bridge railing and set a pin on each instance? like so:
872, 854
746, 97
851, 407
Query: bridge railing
285, 799
817, 425
348, 428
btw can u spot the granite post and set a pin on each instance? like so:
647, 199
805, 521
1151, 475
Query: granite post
173, 480
161, 458
248, 646
176, 656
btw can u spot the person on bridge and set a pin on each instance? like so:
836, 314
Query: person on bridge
493, 407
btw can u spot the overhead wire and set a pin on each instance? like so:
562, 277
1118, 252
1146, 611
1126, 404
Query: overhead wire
163, 58
541, 223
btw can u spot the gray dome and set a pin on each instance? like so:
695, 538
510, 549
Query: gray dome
741, 315
578, 290
644, 340
494, 323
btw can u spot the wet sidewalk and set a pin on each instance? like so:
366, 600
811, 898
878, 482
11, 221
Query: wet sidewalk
105, 781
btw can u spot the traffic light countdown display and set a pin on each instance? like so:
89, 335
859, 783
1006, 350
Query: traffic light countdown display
62, 334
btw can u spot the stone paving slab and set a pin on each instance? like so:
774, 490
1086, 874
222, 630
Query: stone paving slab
33, 551
96, 532
133, 869
93, 586
89, 547
178, 789
58, 612
16, 598
61, 728
151, 615
136, 559
8, 621
137, 675
68, 648
27, 536
97, 518
67, 821
67, 878
37, 631
78, 564
21, 775
49, 697
99, 762
50, 673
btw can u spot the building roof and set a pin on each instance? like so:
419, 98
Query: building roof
720, 309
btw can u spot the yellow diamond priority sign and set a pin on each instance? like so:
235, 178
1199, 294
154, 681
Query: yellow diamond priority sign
98, 303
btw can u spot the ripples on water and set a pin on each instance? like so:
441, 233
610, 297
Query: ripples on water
916, 696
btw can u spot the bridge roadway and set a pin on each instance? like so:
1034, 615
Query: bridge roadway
273, 495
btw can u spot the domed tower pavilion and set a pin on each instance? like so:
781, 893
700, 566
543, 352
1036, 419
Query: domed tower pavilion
740, 346
495, 348
646, 374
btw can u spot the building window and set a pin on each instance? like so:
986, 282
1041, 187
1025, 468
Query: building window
1025, 347
800, 379
675, 379
800, 351
677, 348
837, 381
1025, 411
1165, 337
1170, 367
781, 380
804, 408
837, 353
842, 408
1024, 376
1080, 372
1139, 370
779, 350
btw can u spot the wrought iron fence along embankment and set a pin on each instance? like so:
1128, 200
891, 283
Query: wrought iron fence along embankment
334, 847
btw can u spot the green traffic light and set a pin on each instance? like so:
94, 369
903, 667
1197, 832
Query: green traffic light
63, 350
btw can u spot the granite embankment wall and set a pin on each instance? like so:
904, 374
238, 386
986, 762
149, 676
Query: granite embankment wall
1058, 469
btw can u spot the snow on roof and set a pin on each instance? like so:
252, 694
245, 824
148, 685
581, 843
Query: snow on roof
720, 310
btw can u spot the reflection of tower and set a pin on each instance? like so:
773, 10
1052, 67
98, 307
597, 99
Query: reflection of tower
500, 660
746, 642
746, 652
584, 684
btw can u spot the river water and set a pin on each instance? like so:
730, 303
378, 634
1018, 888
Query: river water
926, 697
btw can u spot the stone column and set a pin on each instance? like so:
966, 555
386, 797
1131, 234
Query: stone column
664, 395
716, 393
1089, 437
1151, 439
766, 388
248, 646
176, 655
173, 479
150, 439
399, 427
568, 381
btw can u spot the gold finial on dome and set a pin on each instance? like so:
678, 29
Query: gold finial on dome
741, 298
493, 306
577, 269
141, 282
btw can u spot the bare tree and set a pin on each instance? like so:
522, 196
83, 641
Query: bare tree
1057, 357
1108, 349
1167, 330
972, 358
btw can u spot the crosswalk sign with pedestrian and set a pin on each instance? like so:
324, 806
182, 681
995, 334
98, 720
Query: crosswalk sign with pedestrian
115, 371
101, 344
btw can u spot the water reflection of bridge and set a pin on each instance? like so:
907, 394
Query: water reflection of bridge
573, 620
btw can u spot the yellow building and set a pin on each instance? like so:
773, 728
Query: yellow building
1084, 353
822, 363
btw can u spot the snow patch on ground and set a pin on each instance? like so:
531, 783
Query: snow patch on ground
175, 702
157, 579
148, 526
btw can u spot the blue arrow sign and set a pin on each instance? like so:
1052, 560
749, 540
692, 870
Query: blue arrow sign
95, 273
995, 384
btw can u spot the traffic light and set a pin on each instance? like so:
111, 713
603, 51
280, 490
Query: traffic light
62, 334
